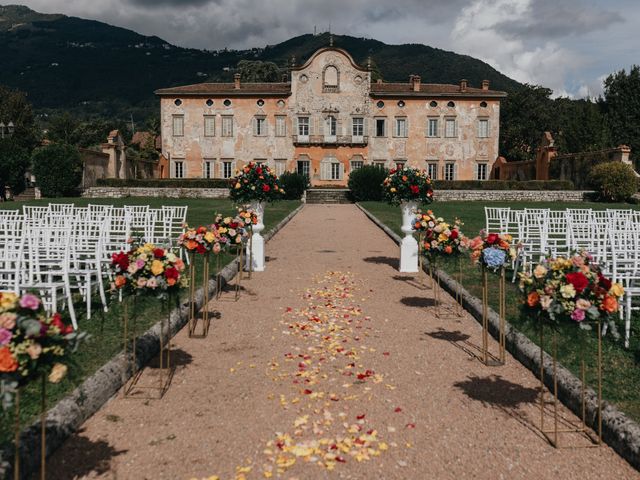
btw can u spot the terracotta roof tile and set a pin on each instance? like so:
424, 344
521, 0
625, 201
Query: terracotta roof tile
430, 89
279, 89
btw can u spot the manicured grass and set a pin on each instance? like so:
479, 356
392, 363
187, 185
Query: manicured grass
621, 367
106, 329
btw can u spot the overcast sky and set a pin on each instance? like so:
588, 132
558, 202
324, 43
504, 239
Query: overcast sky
566, 45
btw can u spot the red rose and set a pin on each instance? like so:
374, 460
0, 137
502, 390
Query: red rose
414, 189
493, 238
453, 235
393, 170
200, 249
202, 230
259, 171
578, 280
121, 260
56, 321
604, 282
233, 225
266, 188
171, 272
158, 252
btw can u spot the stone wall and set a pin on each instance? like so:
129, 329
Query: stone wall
512, 195
122, 192
440, 195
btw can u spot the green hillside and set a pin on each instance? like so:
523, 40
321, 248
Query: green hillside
90, 67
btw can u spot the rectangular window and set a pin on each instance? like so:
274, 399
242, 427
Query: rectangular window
281, 126
208, 169
401, 127
400, 164
303, 167
178, 169
227, 168
335, 171
380, 163
259, 126
303, 127
449, 171
482, 170
358, 127
281, 166
381, 127
450, 130
483, 128
209, 126
227, 126
432, 170
178, 125
432, 127
356, 164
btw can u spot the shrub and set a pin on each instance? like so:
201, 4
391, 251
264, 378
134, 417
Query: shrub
614, 181
294, 184
165, 182
366, 183
14, 161
58, 169
503, 185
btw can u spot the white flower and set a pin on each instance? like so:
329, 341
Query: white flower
568, 291
171, 257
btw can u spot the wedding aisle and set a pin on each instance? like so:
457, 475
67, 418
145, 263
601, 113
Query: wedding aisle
331, 365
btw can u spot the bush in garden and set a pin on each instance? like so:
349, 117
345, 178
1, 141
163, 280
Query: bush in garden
294, 185
365, 183
58, 169
614, 181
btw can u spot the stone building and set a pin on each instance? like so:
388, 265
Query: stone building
327, 121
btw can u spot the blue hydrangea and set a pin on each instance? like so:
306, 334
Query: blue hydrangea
494, 257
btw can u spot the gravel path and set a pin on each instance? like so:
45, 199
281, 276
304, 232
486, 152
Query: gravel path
332, 365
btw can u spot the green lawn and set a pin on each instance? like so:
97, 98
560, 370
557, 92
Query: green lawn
106, 329
621, 367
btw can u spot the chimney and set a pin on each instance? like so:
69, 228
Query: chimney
463, 85
236, 81
485, 84
415, 83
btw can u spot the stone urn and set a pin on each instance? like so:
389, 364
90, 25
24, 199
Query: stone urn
408, 245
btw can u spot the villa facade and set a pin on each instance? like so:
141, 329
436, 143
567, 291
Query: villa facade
328, 120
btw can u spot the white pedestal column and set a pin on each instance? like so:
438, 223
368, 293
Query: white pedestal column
257, 241
409, 245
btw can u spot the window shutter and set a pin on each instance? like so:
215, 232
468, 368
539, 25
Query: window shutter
325, 170
476, 170
339, 125
455, 171
365, 125
312, 126
341, 175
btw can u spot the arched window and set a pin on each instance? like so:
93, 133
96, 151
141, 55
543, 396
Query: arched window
451, 105
330, 79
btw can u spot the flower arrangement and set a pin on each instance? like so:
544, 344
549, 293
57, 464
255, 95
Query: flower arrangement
440, 237
148, 270
492, 250
32, 343
248, 216
407, 184
569, 290
255, 183
231, 231
200, 240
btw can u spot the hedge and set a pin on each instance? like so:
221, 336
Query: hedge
503, 185
165, 182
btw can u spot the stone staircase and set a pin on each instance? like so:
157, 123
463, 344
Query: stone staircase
328, 195
28, 194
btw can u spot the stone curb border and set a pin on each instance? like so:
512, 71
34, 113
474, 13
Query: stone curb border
72, 411
619, 431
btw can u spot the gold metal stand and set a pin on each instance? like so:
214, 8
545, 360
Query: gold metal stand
164, 368
552, 434
193, 314
43, 433
218, 277
239, 257
488, 358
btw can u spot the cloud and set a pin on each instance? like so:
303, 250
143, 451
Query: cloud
553, 19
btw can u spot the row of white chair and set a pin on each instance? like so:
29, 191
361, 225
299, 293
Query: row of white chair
612, 238
58, 249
